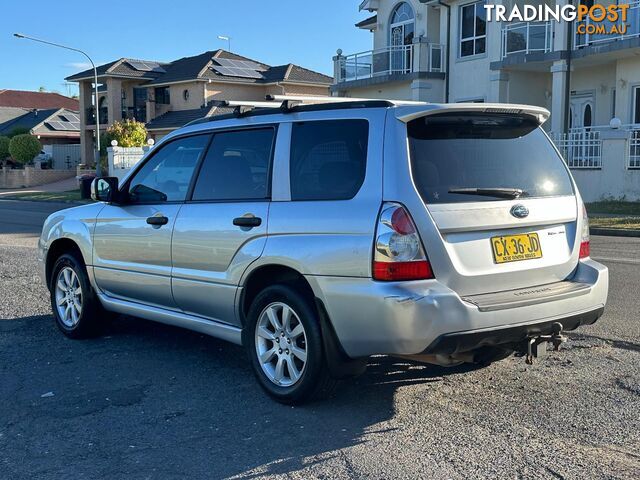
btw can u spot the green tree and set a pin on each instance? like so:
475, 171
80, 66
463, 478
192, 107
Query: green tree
23, 148
128, 133
4, 148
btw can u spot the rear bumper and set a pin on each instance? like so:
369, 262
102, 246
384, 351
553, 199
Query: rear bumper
409, 318
511, 335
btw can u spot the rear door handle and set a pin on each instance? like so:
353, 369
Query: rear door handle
157, 221
247, 221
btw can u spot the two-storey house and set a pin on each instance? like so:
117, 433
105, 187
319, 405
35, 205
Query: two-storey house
448, 51
445, 50
166, 96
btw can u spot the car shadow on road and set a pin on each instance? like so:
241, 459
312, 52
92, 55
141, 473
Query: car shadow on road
151, 399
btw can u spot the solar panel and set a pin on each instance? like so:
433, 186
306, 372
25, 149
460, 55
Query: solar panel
236, 72
244, 64
63, 126
146, 66
72, 117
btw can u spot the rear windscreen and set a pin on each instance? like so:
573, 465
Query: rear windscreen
465, 151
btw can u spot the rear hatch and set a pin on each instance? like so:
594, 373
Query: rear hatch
500, 197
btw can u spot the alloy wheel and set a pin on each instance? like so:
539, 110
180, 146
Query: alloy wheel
281, 344
68, 297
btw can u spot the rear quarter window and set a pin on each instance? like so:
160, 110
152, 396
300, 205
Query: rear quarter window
466, 151
328, 159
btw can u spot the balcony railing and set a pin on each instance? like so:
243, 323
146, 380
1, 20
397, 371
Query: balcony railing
527, 37
598, 32
91, 116
428, 57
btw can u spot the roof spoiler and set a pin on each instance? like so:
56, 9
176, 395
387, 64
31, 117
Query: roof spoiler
407, 114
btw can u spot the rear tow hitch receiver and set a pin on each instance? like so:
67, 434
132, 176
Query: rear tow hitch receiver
536, 345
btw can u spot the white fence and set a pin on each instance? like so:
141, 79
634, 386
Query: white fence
581, 148
605, 161
634, 150
123, 159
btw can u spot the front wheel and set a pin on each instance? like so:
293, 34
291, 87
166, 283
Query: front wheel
284, 343
76, 308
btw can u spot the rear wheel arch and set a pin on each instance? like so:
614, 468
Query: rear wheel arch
58, 248
267, 275
339, 363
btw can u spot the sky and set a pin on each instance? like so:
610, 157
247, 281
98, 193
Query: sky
275, 32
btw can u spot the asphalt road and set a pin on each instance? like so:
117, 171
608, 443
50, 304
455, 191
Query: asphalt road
152, 401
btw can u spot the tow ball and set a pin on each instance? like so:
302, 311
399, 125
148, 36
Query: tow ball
533, 344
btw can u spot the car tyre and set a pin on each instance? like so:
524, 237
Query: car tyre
283, 339
75, 305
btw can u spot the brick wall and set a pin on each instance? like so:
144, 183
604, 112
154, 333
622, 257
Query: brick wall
31, 177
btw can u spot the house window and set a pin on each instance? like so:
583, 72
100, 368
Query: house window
636, 105
402, 28
473, 29
401, 33
162, 95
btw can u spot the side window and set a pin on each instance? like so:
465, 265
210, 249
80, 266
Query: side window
166, 176
236, 166
328, 159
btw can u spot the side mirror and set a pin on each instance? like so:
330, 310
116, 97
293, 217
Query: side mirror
104, 189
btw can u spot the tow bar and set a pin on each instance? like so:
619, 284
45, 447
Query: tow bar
533, 343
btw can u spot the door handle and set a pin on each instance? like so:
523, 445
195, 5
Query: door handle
247, 221
157, 221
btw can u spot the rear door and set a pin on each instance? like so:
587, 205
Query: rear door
498, 209
223, 227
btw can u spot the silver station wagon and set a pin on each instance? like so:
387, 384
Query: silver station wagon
324, 231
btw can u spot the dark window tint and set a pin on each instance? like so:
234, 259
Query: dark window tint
636, 113
466, 151
236, 166
167, 174
328, 159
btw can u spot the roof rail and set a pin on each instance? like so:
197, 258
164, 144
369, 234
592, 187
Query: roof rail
311, 100
293, 104
243, 108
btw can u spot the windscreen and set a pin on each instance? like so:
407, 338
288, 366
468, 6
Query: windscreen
469, 157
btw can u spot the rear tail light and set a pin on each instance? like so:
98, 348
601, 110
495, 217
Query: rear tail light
585, 250
398, 252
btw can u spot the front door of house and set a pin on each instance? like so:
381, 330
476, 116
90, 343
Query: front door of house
581, 111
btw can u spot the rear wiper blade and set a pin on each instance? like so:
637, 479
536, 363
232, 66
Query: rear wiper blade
491, 192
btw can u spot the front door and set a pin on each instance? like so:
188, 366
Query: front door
132, 242
223, 229
581, 111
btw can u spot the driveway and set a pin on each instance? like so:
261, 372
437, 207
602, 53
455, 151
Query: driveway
151, 401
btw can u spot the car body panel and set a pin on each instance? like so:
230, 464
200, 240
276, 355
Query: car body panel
75, 224
140, 271
132, 259
210, 254
405, 318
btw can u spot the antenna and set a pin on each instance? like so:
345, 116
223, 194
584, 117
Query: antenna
227, 39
